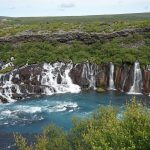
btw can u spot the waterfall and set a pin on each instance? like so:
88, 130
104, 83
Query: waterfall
125, 76
10, 64
55, 79
7, 85
89, 72
137, 80
123, 84
111, 77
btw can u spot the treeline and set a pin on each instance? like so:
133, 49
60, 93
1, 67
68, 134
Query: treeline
106, 130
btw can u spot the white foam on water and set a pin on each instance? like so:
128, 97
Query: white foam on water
20, 115
63, 106
134, 93
28, 109
6, 112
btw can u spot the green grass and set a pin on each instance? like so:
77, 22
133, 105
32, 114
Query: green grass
8, 69
102, 24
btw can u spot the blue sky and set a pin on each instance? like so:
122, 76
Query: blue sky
17, 8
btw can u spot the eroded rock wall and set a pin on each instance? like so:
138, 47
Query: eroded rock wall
46, 79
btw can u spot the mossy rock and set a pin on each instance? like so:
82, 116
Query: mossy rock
6, 70
100, 90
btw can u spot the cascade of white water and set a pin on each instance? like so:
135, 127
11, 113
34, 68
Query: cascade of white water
137, 80
111, 77
89, 72
50, 75
10, 64
7, 85
124, 84
7, 88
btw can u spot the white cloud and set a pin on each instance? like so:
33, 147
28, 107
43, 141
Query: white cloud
67, 5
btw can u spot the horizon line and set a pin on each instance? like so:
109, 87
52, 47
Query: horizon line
128, 13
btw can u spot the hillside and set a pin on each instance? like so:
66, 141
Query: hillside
99, 39
102, 24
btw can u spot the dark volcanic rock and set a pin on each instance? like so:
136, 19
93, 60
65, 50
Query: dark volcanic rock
121, 77
102, 77
3, 100
26, 81
129, 80
1, 64
146, 82
68, 37
76, 76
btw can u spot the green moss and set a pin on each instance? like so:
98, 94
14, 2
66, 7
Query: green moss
8, 69
100, 90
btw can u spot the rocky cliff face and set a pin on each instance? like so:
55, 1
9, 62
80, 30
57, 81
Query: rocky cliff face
68, 37
47, 79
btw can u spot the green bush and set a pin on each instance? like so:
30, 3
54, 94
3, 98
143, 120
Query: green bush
119, 50
106, 130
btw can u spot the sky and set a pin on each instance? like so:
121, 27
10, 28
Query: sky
24, 8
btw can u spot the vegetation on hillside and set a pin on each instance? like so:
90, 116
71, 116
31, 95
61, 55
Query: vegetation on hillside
102, 24
118, 51
106, 130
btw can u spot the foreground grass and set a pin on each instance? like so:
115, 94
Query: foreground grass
106, 130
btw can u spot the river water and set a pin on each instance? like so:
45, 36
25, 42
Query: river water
31, 116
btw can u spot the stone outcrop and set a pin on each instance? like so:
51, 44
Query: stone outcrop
146, 82
24, 79
26, 82
68, 37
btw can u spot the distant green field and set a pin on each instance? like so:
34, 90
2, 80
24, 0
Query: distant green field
103, 23
103, 18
